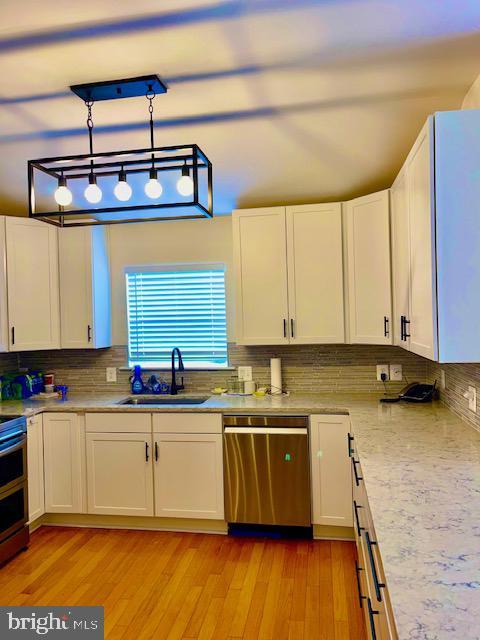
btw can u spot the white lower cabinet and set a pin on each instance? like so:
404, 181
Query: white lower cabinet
188, 475
36, 485
64, 458
119, 474
331, 473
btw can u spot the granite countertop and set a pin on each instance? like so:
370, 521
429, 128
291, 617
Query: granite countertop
421, 466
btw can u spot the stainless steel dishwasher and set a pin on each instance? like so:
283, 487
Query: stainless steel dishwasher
267, 470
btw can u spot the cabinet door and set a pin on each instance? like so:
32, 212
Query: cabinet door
421, 214
119, 474
32, 275
4, 341
315, 274
189, 476
84, 288
369, 285
36, 496
331, 473
260, 251
64, 459
400, 261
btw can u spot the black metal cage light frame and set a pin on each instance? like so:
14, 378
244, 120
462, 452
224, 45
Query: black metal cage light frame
185, 160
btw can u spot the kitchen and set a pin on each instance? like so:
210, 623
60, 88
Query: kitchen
202, 431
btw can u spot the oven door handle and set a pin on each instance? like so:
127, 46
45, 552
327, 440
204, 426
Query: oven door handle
279, 431
11, 446
9, 436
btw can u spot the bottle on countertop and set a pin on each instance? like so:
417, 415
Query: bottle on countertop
136, 381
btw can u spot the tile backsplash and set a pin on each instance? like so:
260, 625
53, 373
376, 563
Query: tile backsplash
307, 368
458, 377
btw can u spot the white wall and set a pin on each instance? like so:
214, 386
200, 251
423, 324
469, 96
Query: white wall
472, 98
152, 243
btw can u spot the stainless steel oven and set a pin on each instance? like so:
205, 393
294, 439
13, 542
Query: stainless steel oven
13, 486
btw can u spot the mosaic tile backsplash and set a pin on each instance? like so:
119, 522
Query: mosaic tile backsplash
309, 368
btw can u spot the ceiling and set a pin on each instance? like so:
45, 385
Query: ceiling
292, 100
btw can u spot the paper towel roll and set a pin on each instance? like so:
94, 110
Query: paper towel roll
276, 375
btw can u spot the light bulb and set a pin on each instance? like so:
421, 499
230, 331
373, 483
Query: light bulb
122, 191
93, 193
185, 185
153, 188
63, 195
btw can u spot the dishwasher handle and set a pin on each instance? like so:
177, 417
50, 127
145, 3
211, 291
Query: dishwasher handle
276, 431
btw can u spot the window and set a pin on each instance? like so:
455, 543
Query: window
180, 307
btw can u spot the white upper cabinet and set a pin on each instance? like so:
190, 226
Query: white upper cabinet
368, 257
84, 288
400, 260
289, 264
261, 275
315, 274
32, 282
437, 218
4, 342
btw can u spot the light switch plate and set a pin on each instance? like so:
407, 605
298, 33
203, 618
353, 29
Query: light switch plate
396, 372
111, 374
383, 368
245, 373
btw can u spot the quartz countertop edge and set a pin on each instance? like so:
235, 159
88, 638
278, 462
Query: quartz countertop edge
421, 466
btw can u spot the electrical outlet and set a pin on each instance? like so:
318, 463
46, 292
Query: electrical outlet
111, 374
443, 380
245, 373
383, 369
471, 396
396, 372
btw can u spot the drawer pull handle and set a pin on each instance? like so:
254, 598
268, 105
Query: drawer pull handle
378, 585
371, 616
359, 587
156, 451
357, 477
147, 457
349, 441
356, 507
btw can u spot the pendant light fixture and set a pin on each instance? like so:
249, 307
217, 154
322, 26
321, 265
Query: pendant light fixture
92, 193
153, 188
119, 186
63, 195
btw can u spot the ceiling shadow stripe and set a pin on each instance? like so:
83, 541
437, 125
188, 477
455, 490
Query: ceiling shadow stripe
220, 11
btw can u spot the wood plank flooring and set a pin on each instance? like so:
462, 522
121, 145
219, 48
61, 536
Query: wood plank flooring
192, 586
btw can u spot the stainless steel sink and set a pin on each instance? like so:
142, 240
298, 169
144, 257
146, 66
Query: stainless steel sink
161, 400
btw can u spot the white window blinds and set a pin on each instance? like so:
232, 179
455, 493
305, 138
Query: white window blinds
177, 308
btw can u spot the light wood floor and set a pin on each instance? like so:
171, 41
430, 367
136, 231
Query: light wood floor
177, 585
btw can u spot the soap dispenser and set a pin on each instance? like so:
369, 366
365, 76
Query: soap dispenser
136, 380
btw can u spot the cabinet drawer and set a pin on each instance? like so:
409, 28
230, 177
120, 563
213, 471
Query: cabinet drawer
118, 422
187, 422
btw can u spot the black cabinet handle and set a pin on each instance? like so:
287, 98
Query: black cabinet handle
147, 457
156, 451
13, 335
292, 327
405, 334
356, 507
371, 617
284, 328
402, 327
359, 587
350, 439
357, 477
386, 330
378, 585
89, 333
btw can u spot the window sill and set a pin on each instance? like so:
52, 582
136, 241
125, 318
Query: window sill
186, 370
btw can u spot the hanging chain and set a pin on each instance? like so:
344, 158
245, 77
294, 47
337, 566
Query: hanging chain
150, 95
89, 105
